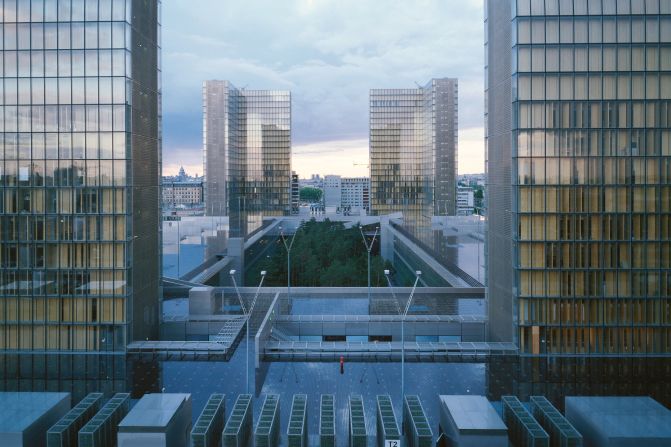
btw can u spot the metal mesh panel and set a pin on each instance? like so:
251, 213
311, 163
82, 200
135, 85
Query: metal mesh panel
357, 422
297, 432
267, 432
560, 430
102, 429
207, 430
238, 429
64, 432
498, 166
414, 420
387, 427
327, 421
523, 430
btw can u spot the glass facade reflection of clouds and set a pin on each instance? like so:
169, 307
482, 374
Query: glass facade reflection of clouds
247, 136
413, 150
79, 174
590, 174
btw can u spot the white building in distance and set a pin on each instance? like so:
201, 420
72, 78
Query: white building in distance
465, 201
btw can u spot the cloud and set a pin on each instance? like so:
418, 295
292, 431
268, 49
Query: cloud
339, 157
189, 158
471, 155
329, 53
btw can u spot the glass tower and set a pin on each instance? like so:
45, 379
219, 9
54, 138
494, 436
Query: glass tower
79, 174
247, 135
579, 173
413, 150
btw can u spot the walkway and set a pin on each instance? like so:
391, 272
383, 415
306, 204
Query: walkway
276, 350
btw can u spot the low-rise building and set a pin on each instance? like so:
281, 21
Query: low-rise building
465, 201
182, 193
332, 192
346, 194
355, 193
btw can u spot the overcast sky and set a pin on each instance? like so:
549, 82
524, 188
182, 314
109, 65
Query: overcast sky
329, 54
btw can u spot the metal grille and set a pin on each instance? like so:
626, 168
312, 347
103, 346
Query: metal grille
64, 432
297, 432
238, 429
387, 427
327, 421
267, 432
523, 430
357, 422
414, 419
560, 430
207, 430
102, 429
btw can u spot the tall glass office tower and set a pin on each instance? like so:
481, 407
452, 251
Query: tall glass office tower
247, 145
79, 175
413, 150
579, 173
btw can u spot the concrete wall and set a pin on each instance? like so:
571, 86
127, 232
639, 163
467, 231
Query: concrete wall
175, 434
35, 433
201, 301
263, 334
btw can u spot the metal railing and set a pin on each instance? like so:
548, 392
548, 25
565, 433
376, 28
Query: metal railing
364, 351
449, 265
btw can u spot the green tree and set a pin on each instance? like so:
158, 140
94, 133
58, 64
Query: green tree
310, 194
324, 254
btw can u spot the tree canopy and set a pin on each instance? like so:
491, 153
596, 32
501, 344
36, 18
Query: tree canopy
310, 194
325, 254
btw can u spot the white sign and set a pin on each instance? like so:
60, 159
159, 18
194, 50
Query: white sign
392, 443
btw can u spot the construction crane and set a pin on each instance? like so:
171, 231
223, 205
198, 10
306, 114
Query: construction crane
361, 164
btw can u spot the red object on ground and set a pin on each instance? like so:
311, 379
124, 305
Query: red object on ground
342, 364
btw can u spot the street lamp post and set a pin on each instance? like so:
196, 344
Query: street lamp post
179, 242
248, 315
418, 273
368, 249
288, 248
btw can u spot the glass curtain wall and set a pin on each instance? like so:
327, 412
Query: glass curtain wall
591, 175
247, 137
400, 163
259, 180
413, 153
70, 85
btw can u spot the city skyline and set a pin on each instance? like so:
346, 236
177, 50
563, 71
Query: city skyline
323, 54
401, 292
